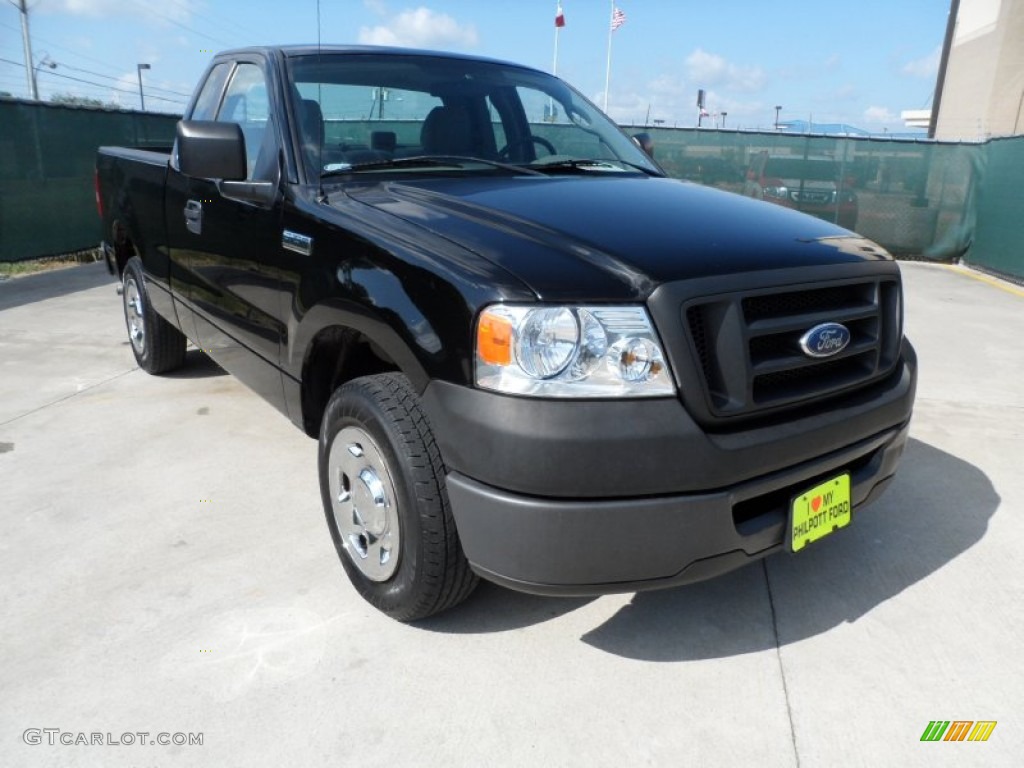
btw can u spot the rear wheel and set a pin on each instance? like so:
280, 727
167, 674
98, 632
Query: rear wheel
158, 346
383, 489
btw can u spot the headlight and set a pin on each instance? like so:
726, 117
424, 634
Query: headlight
570, 352
779, 192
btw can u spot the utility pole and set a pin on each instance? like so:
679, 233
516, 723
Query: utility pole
27, 42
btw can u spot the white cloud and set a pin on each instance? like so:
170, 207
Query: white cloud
926, 66
710, 69
421, 27
880, 115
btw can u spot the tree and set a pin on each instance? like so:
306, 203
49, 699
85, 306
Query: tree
72, 100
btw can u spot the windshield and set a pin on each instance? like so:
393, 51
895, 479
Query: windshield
800, 168
357, 112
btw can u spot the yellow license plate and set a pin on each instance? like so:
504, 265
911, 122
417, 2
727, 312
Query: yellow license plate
820, 511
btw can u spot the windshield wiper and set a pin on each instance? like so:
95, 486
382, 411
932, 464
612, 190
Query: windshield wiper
585, 163
421, 161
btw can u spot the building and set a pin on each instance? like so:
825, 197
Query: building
982, 93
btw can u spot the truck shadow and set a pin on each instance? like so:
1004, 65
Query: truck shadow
197, 365
937, 508
495, 609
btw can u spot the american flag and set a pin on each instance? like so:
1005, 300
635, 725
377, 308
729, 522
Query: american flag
618, 18
559, 17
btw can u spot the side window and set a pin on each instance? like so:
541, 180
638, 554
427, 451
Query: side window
206, 104
246, 103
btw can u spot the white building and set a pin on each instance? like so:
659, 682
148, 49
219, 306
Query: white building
983, 90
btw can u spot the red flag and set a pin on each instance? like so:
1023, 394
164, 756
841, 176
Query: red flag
559, 17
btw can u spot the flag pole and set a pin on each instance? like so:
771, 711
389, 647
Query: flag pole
554, 67
608, 69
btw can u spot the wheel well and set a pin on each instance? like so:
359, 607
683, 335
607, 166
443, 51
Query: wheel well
336, 355
124, 247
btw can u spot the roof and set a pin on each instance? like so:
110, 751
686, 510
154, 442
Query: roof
312, 49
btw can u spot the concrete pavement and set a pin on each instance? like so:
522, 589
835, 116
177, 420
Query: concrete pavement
165, 567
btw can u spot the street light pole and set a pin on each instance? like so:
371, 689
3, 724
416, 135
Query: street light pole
723, 118
142, 98
777, 110
46, 61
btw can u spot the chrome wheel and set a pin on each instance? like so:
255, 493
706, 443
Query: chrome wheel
134, 314
364, 503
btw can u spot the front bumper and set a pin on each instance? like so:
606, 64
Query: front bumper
558, 547
604, 496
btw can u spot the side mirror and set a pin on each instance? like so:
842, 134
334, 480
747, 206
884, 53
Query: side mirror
211, 150
645, 142
214, 150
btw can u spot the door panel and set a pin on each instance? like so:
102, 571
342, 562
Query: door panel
229, 248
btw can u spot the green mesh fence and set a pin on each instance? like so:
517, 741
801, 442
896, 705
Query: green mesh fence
919, 199
999, 230
47, 156
911, 197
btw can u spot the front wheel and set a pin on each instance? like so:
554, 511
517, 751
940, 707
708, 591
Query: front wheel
382, 482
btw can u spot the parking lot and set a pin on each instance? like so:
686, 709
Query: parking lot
165, 567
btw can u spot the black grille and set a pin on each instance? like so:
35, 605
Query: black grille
799, 302
698, 329
749, 349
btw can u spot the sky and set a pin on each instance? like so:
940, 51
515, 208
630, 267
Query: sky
857, 63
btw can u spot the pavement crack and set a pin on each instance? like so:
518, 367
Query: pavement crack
44, 406
778, 656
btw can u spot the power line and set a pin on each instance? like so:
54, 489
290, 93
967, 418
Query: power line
165, 17
111, 77
52, 44
249, 34
90, 82
110, 87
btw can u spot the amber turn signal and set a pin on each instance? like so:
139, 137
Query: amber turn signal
494, 338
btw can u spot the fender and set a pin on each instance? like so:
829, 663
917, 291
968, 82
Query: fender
336, 312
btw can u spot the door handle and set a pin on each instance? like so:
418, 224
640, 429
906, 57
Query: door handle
194, 217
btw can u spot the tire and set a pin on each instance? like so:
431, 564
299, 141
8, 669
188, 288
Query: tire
382, 481
158, 346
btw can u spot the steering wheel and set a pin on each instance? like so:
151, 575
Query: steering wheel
505, 152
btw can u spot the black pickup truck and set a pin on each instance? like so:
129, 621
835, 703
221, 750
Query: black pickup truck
527, 355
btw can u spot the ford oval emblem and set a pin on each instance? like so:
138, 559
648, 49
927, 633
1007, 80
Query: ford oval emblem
825, 340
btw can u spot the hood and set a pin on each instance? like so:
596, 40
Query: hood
613, 237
